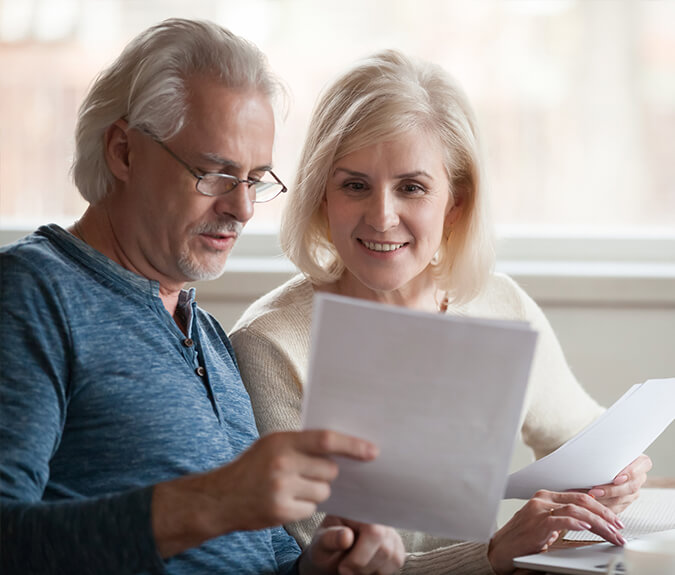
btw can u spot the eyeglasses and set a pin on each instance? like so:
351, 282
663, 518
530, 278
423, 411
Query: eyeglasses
213, 184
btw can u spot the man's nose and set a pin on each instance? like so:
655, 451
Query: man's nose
382, 211
238, 202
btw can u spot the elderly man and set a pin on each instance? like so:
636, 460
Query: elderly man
127, 439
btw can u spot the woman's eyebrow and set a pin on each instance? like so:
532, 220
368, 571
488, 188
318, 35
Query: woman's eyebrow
350, 172
415, 174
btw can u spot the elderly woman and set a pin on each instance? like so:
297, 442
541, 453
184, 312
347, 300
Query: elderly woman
389, 205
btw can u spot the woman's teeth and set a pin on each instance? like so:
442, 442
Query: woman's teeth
378, 247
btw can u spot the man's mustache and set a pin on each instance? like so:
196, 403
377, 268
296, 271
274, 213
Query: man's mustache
219, 228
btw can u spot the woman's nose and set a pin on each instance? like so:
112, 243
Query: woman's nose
382, 212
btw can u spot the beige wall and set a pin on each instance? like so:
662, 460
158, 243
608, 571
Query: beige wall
611, 348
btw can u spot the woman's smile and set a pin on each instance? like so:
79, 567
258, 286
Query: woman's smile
382, 247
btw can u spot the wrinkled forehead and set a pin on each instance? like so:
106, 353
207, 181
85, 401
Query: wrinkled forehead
209, 100
235, 123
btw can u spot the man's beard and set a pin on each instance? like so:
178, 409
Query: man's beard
212, 268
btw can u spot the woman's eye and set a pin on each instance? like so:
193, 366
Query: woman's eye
413, 189
354, 186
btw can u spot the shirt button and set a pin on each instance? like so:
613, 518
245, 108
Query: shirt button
187, 342
200, 371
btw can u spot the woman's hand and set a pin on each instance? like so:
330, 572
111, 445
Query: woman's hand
539, 523
626, 485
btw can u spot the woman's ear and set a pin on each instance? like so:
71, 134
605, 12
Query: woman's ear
454, 214
457, 201
456, 208
116, 149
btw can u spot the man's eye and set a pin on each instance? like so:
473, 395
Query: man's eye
258, 177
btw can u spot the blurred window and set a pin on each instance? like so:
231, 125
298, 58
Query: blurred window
575, 99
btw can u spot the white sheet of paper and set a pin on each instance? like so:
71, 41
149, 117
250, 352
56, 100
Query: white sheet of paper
441, 398
596, 454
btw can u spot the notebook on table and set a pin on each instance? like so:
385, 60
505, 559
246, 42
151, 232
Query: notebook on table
580, 560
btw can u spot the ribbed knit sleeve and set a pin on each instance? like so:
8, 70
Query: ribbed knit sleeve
458, 559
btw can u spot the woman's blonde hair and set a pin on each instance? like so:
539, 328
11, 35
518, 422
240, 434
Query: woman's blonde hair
382, 97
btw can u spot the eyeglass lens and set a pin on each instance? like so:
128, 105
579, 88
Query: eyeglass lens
219, 184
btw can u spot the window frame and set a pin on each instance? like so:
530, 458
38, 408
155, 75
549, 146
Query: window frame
554, 268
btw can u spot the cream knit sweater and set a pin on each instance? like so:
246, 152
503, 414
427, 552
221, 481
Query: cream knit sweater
271, 341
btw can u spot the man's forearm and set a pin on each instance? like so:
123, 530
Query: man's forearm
109, 535
185, 514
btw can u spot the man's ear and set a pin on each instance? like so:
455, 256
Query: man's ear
116, 149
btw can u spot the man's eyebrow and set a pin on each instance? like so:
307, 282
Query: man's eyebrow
225, 163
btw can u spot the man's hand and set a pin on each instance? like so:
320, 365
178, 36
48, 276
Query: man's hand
626, 485
351, 548
281, 478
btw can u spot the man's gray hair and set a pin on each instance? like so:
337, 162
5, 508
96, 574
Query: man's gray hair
146, 85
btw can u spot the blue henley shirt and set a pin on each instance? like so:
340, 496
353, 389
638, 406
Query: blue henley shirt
101, 397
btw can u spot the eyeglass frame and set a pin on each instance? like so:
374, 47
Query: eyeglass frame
230, 177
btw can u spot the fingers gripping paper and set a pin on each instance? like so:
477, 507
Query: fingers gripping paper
440, 396
597, 453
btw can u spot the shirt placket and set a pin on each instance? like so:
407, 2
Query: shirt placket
193, 350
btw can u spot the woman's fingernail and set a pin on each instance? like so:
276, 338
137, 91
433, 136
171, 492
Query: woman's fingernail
620, 479
619, 523
595, 492
612, 528
620, 539
585, 525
